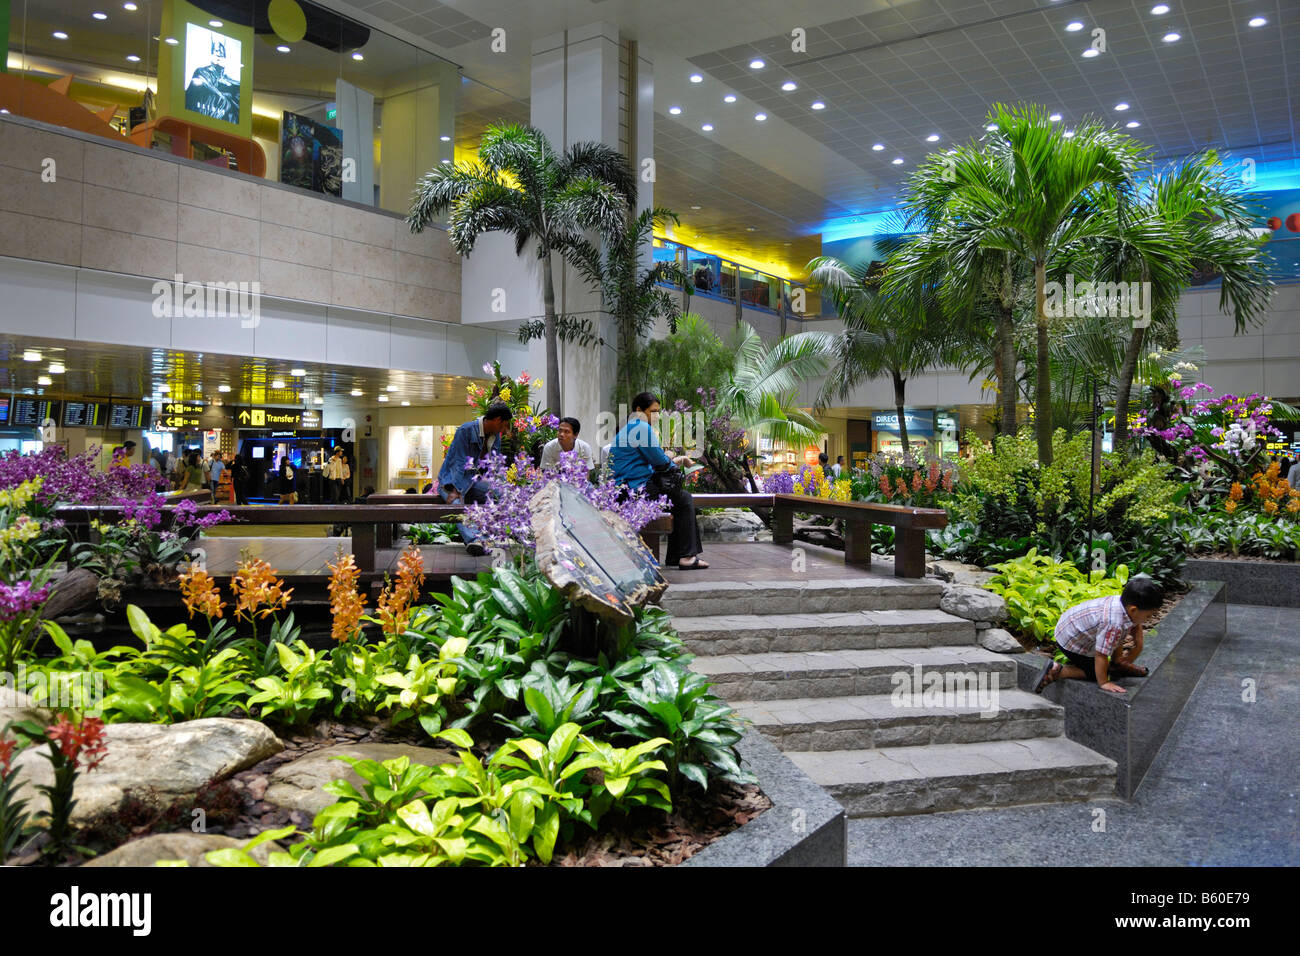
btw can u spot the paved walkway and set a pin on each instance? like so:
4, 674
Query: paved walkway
1223, 791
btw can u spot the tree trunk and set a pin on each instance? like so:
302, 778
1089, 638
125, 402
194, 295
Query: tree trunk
1006, 330
1124, 388
1043, 396
552, 343
900, 390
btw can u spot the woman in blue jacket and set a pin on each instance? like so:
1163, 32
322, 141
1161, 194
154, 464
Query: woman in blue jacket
638, 461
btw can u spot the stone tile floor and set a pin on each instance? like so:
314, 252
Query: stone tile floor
1223, 791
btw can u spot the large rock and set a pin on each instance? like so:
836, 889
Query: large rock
954, 572
731, 524
298, 784
15, 705
157, 763
184, 845
1000, 641
974, 604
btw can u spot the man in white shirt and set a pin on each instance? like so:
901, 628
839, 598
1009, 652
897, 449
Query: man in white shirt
568, 440
1293, 476
838, 467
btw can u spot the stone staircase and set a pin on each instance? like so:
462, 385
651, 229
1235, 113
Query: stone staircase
842, 675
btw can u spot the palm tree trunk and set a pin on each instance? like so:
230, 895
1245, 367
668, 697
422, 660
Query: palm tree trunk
552, 343
1043, 396
1124, 388
1007, 371
900, 389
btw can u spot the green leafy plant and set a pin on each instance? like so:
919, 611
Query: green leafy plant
442, 532
1038, 589
294, 695
423, 689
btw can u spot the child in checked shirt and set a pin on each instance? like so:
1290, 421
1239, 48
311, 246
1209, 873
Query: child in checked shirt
1103, 637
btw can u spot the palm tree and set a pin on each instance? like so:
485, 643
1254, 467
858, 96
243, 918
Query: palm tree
1189, 217
762, 387
902, 334
632, 295
521, 186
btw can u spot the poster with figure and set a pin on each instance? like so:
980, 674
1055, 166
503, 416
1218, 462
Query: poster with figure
311, 155
206, 74
212, 69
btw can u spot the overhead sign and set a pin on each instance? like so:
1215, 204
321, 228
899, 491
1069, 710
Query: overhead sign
175, 416
918, 423
258, 416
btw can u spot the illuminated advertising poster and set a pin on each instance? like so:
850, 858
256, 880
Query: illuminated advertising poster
207, 75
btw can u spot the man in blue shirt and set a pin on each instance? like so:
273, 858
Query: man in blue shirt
458, 479
635, 457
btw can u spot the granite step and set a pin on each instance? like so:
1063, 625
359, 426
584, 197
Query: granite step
867, 722
800, 596
941, 777
827, 631
779, 676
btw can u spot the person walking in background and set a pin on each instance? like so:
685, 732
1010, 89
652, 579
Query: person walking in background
345, 478
825, 462
638, 461
1293, 475
214, 473
194, 477
288, 493
333, 476
838, 468
239, 479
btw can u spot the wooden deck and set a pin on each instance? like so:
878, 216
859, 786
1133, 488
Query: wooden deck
764, 561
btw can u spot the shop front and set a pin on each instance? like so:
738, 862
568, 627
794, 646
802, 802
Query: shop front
415, 454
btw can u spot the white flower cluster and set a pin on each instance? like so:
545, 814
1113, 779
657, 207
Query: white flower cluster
1185, 367
1237, 439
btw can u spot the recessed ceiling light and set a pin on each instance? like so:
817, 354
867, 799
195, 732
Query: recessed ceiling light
297, 372
952, 152
318, 400
1089, 53
1074, 26
223, 388
56, 368
818, 105
1256, 21
992, 127
789, 86
215, 23
31, 355
756, 64
1160, 9
729, 98
100, 16
390, 388
133, 58
696, 78
383, 398
760, 117
707, 127
675, 110
1121, 107
1068, 134
278, 383
1172, 37
1055, 117
164, 389
357, 55
405, 403
898, 161
447, 161
172, 41
44, 380
60, 35
878, 147
445, 138
357, 393
1132, 124
302, 396
749, 228
282, 48
130, 7
695, 207
932, 138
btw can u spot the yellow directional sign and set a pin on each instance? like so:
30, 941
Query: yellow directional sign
256, 417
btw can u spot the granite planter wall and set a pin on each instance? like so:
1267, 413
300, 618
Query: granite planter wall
804, 827
1130, 728
1269, 583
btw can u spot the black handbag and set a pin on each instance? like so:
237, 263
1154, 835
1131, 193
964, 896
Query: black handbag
667, 480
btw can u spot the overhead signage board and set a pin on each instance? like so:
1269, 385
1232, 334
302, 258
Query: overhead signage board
177, 416
918, 423
84, 414
32, 412
121, 415
259, 416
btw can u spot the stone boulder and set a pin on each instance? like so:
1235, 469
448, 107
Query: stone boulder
732, 524
954, 572
297, 785
157, 763
974, 604
183, 845
1000, 641
15, 705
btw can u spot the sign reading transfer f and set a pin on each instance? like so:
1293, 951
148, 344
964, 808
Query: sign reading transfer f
255, 417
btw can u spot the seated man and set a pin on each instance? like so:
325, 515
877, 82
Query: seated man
568, 440
458, 479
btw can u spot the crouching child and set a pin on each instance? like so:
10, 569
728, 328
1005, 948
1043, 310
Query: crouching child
1102, 638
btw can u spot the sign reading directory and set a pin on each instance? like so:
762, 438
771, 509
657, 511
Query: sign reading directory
592, 556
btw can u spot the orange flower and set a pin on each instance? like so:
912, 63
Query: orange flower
1230, 507
200, 593
346, 605
1293, 505
1274, 469
917, 478
258, 592
395, 602
1235, 492
1270, 506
